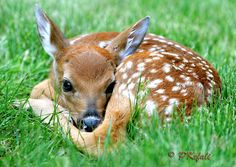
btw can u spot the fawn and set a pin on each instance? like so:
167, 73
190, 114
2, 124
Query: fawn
99, 72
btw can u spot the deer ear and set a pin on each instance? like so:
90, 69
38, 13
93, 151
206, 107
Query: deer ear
128, 41
50, 35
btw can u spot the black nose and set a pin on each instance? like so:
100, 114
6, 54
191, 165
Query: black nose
90, 123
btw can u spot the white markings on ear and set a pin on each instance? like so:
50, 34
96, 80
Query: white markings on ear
44, 30
136, 36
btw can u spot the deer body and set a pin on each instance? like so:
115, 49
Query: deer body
85, 68
176, 74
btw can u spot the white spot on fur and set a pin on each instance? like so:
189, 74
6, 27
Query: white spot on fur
185, 60
152, 49
156, 39
129, 64
209, 75
166, 68
140, 50
195, 75
178, 84
170, 43
162, 41
199, 58
150, 107
213, 82
161, 50
171, 54
187, 78
155, 83
148, 60
136, 75
210, 85
140, 67
176, 88
173, 101
185, 94
182, 66
209, 91
183, 91
182, 76
188, 83
156, 46
177, 46
153, 54
156, 58
183, 49
124, 76
169, 109
199, 85
190, 70
160, 91
200, 64
190, 53
164, 97
131, 86
169, 78
153, 71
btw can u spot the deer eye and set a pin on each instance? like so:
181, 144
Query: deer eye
66, 85
110, 88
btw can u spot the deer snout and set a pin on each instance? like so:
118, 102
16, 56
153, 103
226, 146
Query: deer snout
90, 123
90, 120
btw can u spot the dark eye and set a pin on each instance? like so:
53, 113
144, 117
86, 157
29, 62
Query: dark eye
66, 85
110, 88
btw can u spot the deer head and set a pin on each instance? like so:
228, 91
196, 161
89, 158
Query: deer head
85, 74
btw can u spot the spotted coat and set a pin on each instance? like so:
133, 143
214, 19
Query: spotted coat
176, 76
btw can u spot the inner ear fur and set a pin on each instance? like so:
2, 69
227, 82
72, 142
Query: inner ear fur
51, 37
128, 41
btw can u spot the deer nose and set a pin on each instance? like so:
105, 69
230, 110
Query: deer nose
90, 123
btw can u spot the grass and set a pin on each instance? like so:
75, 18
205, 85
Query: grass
207, 27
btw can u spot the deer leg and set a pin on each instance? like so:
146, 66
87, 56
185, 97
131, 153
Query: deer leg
117, 116
42, 102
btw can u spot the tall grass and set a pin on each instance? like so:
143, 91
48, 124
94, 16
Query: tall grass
207, 27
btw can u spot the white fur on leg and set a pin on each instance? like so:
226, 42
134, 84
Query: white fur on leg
45, 109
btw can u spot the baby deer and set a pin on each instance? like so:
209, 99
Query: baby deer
88, 69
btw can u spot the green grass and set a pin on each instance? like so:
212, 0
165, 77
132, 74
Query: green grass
208, 27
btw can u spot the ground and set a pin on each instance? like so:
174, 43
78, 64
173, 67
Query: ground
208, 27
